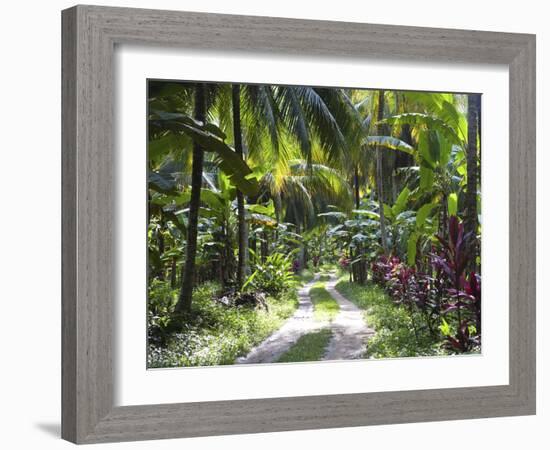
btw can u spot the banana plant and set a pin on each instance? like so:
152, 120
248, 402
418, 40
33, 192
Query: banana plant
440, 134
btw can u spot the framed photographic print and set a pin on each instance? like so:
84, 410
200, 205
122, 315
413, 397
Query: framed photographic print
265, 229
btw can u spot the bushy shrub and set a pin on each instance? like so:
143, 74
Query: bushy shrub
160, 304
383, 269
273, 276
216, 334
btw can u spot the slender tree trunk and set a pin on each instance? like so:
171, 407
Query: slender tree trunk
471, 221
379, 175
186, 291
301, 247
242, 267
277, 206
223, 252
356, 187
359, 266
264, 246
353, 271
229, 255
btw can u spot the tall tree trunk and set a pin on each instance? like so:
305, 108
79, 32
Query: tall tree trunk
379, 175
359, 266
223, 259
186, 291
229, 255
277, 203
264, 246
471, 221
242, 266
301, 247
356, 187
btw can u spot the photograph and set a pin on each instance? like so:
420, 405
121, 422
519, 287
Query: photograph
292, 224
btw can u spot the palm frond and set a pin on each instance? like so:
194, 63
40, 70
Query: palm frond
328, 116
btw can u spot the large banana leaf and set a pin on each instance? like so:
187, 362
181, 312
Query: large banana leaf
401, 201
333, 214
426, 176
213, 199
365, 212
388, 142
167, 143
442, 106
178, 220
423, 213
210, 138
452, 204
411, 248
164, 199
266, 210
430, 122
161, 182
429, 148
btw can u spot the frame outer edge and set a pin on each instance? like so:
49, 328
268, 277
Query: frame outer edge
523, 225
69, 206
87, 191
89, 34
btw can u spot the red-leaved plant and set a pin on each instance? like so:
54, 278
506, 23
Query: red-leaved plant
462, 295
442, 293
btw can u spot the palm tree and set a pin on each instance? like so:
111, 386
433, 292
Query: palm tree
305, 189
242, 266
186, 290
356, 162
379, 174
265, 116
471, 221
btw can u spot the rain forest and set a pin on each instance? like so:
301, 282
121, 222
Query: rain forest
297, 223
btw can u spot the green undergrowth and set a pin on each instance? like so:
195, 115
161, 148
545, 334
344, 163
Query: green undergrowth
310, 347
215, 334
394, 331
325, 307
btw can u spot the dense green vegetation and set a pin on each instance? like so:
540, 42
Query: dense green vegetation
310, 347
254, 188
395, 328
214, 334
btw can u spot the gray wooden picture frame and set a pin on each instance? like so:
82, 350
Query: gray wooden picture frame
89, 37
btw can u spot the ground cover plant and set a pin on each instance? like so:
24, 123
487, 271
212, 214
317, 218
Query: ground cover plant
310, 347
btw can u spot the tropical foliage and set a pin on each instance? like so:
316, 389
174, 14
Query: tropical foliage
253, 188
